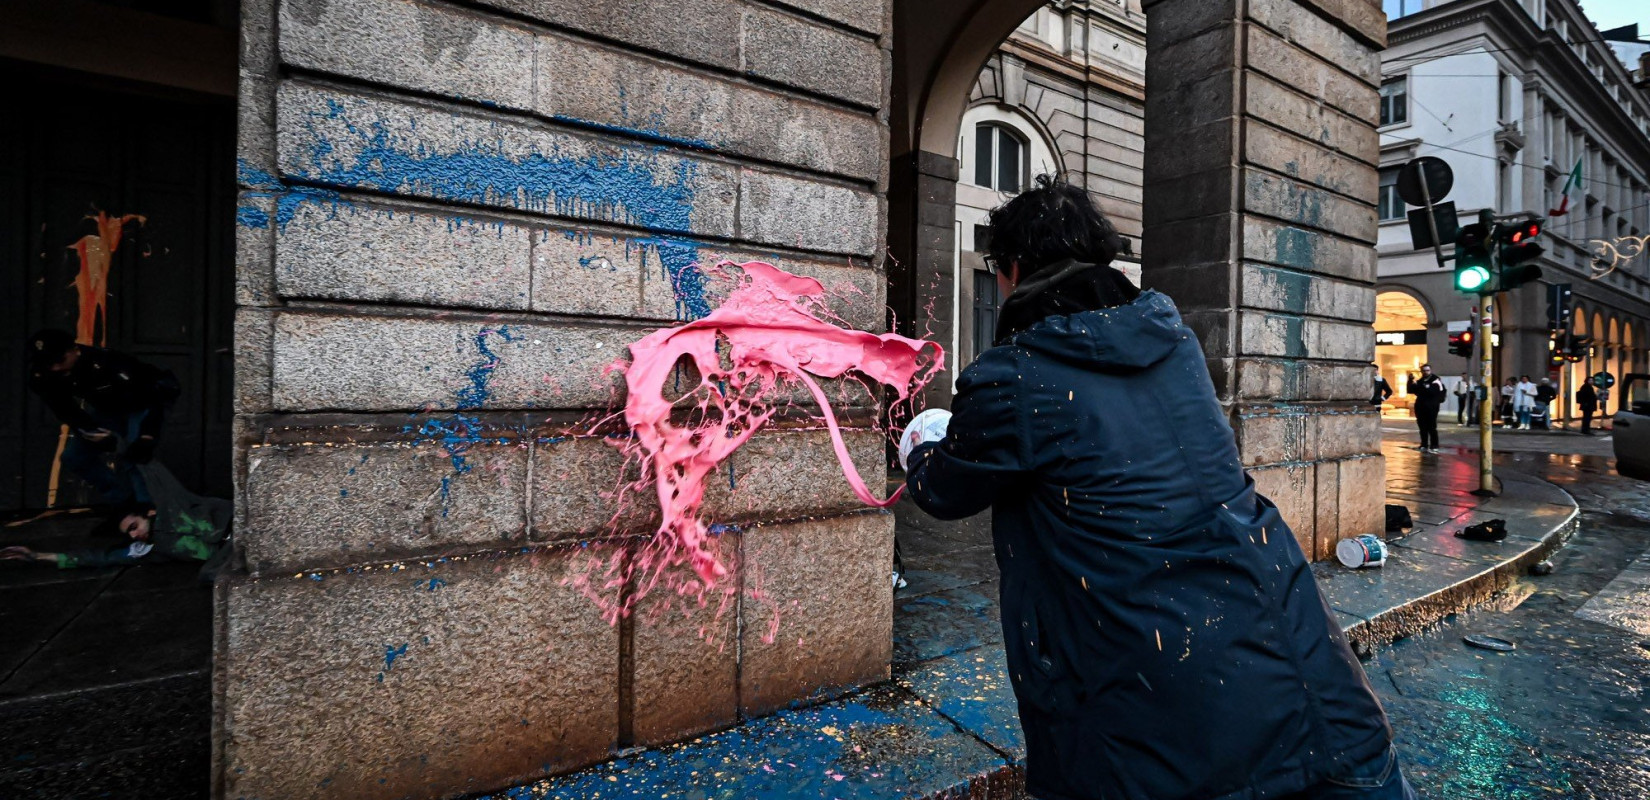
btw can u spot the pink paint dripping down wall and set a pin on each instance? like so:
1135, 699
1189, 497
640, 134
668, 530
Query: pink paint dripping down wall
766, 337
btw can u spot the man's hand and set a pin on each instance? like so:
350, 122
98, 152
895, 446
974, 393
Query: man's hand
16, 553
141, 451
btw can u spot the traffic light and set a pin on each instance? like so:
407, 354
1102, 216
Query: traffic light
1580, 347
1472, 259
1556, 349
1516, 244
1559, 309
1460, 344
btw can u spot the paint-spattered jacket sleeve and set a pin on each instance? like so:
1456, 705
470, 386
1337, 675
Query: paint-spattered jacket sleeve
984, 450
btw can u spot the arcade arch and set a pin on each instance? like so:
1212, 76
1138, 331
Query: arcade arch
1401, 322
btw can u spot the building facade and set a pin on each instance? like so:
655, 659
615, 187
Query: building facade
1065, 95
434, 225
1517, 96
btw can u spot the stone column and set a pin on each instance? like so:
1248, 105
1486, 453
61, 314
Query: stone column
1260, 222
452, 218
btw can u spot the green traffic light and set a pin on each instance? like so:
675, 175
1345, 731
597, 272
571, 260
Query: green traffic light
1471, 279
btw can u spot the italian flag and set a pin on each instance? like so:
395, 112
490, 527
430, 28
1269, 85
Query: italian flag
1570, 187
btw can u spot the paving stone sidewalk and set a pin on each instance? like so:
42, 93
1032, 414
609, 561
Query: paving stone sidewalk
946, 726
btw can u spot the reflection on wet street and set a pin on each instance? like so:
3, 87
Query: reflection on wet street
1565, 714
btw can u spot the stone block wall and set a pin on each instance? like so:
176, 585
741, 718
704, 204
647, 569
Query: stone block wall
452, 217
1264, 234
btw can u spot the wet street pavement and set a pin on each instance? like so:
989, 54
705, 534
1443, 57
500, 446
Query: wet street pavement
1565, 714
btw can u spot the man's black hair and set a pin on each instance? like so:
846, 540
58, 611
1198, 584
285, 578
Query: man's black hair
47, 346
1052, 223
109, 526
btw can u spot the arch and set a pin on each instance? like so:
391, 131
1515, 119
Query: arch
1427, 311
959, 37
1399, 309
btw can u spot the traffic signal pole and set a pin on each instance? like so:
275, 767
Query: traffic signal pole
1486, 407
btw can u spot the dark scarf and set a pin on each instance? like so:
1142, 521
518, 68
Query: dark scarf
1062, 288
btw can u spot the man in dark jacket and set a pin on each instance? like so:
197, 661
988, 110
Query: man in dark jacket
1429, 395
1587, 399
105, 397
1164, 634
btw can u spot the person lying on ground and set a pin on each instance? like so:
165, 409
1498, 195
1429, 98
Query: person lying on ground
1165, 637
182, 526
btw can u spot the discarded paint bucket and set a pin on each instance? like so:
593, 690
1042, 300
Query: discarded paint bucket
1365, 551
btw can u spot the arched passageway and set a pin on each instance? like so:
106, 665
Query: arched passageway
1400, 345
1259, 221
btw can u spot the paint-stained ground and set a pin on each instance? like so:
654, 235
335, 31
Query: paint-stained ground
1565, 715
105, 688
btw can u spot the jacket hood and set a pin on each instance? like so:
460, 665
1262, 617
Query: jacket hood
1118, 339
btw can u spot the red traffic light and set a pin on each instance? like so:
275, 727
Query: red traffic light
1466, 337
1528, 230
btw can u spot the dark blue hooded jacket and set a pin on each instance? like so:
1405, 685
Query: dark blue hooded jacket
1165, 637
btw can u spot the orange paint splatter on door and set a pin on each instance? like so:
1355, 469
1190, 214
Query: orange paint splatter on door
96, 253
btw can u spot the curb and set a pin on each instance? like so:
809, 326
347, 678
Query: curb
1425, 612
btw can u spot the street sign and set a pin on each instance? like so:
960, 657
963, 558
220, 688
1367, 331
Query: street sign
1425, 180
1458, 325
1400, 338
1443, 220
1602, 380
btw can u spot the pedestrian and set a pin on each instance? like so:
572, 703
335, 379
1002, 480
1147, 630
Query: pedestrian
1463, 400
1544, 395
1383, 390
180, 526
1509, 391
1524, 401
1164, 635
107, 398
1587, 399
1429, 394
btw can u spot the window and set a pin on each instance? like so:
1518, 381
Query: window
986, 301
982, 238
999, 158
1395, 101
1401, 8
1390, 205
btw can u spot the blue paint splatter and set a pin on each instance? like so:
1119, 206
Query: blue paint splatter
435, 583
475, 395
391, 654
259, 183
627, 185
343, 493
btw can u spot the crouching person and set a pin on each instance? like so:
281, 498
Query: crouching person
1165, 637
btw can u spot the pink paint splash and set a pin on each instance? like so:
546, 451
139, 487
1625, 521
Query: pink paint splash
764, 338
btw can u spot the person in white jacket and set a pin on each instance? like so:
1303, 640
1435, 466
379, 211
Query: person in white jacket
1524, 401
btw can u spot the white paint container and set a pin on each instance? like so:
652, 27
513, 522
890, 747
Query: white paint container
1365, 551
